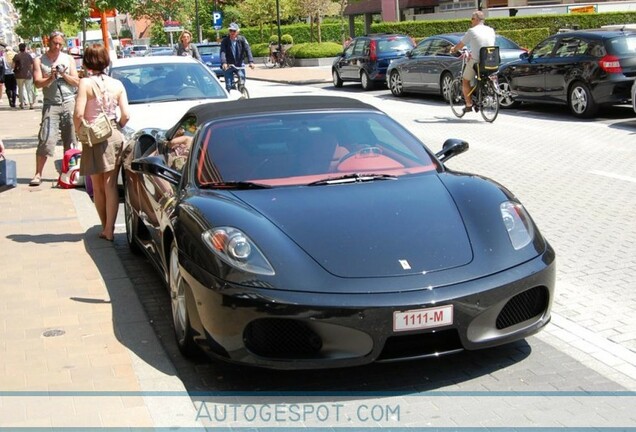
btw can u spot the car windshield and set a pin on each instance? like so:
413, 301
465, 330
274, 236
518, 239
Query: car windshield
168, 82
504, 43
318, 148
210, 49
395, 44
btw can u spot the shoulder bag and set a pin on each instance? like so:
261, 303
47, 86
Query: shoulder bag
100, 129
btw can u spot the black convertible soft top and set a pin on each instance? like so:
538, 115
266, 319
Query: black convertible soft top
215, 110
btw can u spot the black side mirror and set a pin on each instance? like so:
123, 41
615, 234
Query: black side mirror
156, 166
452, 147
525, 56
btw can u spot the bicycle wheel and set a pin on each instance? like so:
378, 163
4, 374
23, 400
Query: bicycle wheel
456, 98
289, 60
489, 101
244, 93
268, 62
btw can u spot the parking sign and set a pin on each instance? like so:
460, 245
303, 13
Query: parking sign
217, 20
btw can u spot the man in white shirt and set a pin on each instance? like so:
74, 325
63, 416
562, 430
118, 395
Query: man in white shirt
479, 35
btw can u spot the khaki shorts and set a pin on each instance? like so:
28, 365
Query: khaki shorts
469, 72
57, 122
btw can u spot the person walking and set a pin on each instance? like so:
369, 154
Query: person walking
234, 48
54, 72
100, 93
23, 69
186, 47
478, 36
10, 83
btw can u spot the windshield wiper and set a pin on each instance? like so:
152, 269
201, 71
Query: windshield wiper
352, 178
240, 185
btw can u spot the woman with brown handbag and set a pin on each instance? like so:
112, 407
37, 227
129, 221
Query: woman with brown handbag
100, 94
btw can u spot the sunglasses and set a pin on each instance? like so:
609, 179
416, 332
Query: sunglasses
232, 31
56, 33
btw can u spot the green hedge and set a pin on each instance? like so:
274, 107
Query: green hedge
527, 31
316, 50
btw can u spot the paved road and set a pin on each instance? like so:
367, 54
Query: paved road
578, 180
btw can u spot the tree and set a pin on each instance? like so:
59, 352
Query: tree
261, 12
39, 17
315, 10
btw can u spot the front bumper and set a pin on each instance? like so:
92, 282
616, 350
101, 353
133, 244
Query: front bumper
294, 330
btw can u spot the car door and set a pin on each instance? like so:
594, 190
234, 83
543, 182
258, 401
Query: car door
438, 59
527, 77
411, 69
564, 66
347, 64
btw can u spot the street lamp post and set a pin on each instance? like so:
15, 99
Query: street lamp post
196, 15
280, 48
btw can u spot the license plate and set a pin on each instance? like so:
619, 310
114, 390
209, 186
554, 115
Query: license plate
423, 318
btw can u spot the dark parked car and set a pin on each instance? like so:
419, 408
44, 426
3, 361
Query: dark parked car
634, 95
211, 56
314, 232
366, 59
584, 69
430, 67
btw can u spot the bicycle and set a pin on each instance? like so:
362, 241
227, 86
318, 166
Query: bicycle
280, 57
484, 94
239, 83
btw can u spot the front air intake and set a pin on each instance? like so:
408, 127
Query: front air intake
522, 307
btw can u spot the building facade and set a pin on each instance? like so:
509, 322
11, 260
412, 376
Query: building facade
8, 20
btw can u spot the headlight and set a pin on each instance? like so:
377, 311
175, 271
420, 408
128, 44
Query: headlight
517, 223
237, 250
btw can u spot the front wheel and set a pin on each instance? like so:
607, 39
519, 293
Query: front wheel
269, 62
395, 84
131, 220
244, 93
505, 94
581, 101
337, 81
489, 102
446, 83
456, 98
180, 318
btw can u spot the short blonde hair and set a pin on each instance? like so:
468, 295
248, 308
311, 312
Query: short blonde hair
185, 32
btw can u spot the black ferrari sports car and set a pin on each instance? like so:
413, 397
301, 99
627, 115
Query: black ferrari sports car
315, 232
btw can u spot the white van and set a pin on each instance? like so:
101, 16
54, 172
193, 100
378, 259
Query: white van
95, 37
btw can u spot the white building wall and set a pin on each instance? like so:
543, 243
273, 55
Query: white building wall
8, 20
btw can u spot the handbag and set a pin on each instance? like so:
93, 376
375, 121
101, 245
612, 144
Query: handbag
98, 130
8, 172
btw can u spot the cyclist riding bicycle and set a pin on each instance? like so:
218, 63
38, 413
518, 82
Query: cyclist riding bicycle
234, 48
479, 35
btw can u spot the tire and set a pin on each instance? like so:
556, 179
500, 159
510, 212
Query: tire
580, 101
245, 94
457, 98
445, 85
267, 61
489, 102
288, 60
131, 223
505, 94
395, 84
180, 318
337, 81
366, 81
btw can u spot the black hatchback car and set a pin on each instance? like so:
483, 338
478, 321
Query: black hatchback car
584, 69
366, 58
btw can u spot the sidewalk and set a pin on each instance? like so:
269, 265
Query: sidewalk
69, 318
294, 75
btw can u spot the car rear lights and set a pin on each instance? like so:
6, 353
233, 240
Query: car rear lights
610, 64
373, 50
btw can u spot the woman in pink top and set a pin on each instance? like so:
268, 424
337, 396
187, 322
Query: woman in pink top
102, 160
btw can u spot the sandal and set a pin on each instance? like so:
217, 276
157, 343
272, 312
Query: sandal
35, 181
103, 236
467, 109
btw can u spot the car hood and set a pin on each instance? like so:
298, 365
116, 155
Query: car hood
162, 115
379, 229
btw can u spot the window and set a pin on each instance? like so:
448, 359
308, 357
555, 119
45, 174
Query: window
440, 47
544, 49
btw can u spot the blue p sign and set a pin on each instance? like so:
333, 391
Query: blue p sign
217, 20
